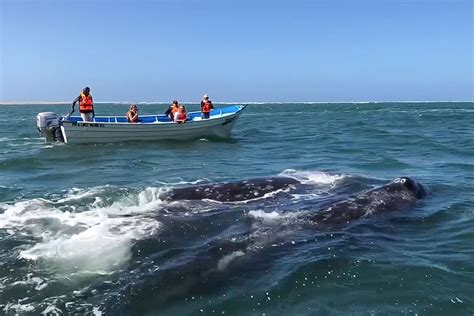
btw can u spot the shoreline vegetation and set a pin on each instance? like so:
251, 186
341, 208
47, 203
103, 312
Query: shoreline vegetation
26, 103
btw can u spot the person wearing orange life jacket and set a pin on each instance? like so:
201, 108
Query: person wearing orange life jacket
206, 107
86, 105
173, 108
181, 115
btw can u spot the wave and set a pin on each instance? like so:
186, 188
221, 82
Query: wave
83, 232
313, 177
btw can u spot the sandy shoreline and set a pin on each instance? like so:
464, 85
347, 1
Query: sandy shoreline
9, 103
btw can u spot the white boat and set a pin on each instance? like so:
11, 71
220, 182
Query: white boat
105, 129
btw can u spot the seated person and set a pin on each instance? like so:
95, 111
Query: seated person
181, 115
132, 114
173, 108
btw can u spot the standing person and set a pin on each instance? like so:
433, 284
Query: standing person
132, 114
173, 108
86, 105
206, 106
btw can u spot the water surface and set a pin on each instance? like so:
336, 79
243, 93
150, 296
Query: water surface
83, 228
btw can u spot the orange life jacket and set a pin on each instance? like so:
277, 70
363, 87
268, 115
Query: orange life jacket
86, 105
206, 106
174, 109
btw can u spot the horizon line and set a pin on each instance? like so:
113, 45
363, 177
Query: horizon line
233, 102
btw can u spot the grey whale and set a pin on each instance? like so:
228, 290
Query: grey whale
401, 193
218, 258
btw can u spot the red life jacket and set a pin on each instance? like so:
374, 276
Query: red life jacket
181, 117
86, 105
206, 106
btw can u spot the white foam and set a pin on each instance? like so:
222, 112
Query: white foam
271, 216
224, 261
183, 182
18, 308
76, 194
312, 177
305, 197
265, 215
38, 283
96, 311
96, 240
52, 310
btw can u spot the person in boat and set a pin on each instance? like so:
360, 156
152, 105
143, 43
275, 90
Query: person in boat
132, 114
86, 105
206, 106
173, 108
181, 116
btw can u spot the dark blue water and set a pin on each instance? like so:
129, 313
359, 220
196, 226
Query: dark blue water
84, 228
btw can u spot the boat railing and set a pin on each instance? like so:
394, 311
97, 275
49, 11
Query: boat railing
195, 115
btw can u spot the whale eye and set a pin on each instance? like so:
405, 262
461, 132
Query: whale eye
403, 180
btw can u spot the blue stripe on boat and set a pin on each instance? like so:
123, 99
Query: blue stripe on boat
160, 118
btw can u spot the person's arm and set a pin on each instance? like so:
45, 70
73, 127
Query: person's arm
212, 106
168, 111
76, 100
132, 117
93, 112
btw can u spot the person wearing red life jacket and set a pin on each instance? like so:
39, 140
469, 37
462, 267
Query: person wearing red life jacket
181, 115
86, 105
206, 106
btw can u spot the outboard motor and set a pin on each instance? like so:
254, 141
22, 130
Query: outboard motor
49, 125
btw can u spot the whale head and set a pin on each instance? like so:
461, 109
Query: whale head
410, 185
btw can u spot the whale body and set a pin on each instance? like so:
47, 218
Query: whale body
233, 191
399, 194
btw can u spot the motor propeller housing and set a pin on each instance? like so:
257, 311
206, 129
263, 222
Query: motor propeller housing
49, 125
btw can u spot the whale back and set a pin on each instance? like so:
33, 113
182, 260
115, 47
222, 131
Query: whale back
233, 191
401, 193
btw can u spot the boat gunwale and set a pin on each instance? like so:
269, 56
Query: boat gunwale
216, 117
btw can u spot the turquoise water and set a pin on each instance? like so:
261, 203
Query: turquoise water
83, 228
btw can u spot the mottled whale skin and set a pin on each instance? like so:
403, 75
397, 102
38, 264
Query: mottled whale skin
401, 193
233, 191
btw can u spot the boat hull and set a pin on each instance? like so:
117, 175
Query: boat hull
104, 132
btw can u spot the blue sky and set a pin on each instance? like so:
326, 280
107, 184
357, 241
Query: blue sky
257, 50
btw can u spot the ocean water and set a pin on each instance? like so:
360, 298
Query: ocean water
84, 229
